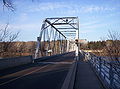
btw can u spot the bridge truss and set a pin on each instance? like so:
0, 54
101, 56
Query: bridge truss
57, 36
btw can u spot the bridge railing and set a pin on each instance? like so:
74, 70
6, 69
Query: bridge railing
108, 71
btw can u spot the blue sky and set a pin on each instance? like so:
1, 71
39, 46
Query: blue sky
96, 16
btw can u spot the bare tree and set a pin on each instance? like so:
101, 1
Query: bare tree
112, 48
6, 39
8, 4
6, 35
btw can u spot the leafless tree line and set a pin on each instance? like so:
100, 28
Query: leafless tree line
9, 47
6, 35
112, 47
112, 50
6, 39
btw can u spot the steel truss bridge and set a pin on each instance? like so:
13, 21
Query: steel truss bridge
61, 68
61, 35
57, 36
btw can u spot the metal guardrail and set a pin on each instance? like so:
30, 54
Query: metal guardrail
108, 71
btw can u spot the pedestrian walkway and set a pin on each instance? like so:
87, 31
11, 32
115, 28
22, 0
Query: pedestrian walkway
86, 77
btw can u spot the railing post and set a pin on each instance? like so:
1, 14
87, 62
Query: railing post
111, 74
100, 65
95, 61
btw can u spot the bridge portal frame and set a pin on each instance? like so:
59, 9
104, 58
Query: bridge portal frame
64, 28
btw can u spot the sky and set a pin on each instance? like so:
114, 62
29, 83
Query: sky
96, 17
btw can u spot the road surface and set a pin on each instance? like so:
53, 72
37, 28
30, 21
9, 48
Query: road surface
48, 74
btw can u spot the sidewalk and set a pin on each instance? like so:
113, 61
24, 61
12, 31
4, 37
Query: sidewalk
86, 77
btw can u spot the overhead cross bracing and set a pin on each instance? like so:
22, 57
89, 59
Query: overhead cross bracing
55, 34
66, 25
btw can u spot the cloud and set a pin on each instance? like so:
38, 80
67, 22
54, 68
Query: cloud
24, 26
95, 26
27, 26
23, 17
92, 8
86, 31
69, 8
92, 25
88, 23
47, 6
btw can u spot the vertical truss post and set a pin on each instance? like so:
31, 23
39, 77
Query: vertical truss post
77, 41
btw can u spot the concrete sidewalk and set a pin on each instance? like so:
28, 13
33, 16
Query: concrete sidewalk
86, 77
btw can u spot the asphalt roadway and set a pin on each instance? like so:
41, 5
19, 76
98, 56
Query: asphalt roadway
48, 74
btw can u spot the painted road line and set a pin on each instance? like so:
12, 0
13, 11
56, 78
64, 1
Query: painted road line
56, 62
22, 75
18, 73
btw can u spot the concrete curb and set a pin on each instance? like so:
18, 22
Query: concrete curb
13, 62
70, 78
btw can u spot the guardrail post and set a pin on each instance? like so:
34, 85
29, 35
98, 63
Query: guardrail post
95, 60
100, 65
111, 74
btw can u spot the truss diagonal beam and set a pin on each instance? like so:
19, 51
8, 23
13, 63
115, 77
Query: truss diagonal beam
54, 27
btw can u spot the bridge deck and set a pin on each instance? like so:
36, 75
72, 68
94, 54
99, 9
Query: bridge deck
49, 74
86, 77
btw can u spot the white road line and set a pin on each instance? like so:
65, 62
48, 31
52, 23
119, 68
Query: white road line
56, 62
22, 75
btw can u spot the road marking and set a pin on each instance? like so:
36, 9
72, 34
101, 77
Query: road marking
18, 73
56, 62
22, 75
